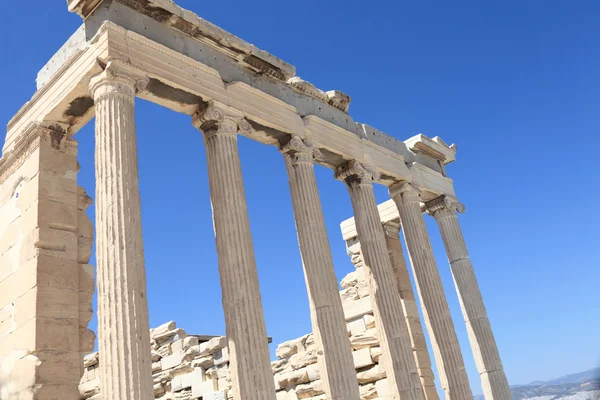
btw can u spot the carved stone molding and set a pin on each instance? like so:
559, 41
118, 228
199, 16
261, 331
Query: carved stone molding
215, 117
118, 77
443, 203
301, 151
354, 172
339, 100
36, 134
308, 89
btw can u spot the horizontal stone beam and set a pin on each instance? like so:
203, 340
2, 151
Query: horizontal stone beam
184, 75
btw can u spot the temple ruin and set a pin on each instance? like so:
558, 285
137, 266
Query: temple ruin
367, 341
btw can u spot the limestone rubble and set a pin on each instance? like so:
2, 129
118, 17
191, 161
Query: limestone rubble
197, 367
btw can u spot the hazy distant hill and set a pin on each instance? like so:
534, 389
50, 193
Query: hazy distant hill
580, 386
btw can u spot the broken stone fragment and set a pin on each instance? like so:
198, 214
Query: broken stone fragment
339, 100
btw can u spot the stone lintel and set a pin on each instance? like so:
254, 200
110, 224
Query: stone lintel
186, 77
187, 22
435, 148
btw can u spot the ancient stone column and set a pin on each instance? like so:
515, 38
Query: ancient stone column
329, 325
123, 327
483, 344
438, 321
411, 312
397, 357
251, 374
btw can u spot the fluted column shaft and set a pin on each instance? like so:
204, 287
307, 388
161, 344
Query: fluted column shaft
251, 374
411, 312
438, 321
123, 327
397, 356
487, 357
329, 325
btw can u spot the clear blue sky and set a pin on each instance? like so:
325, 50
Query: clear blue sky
515, 84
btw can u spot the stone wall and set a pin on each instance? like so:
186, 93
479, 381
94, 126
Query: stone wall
296, 372
197, 367
184, 366
46, 285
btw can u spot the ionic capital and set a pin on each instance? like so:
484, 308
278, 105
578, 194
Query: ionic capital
118, 77
216, 118
356, 173
407, 191
391, 229
440, 206
301, 151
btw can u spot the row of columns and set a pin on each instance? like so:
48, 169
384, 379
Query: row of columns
122, 304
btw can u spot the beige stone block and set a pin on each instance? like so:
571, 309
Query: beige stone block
375, 353
48, 187
48, 271
221, 356
311, 389
162, 329
220, 395
172, 361
13, 286
203, 362
186, 381
349, 294
7, 324
313, 372
303, 359
10, 236
369, 321
59, 392
51, 242
358, 308
90, 388
372, 374
54, 302
91, 360
365, 339
349, 280
199, 390
357, 326
368, 391
46, 302
362, 358
58, 164
292, 378
48, 214
58, 367
170, 337
213, 345
383, 388
9, 264
363, 289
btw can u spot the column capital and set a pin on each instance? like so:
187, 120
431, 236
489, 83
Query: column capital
215, 117
436, 206
355, 173
301, 151
391, 229
118, 77
406, 190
